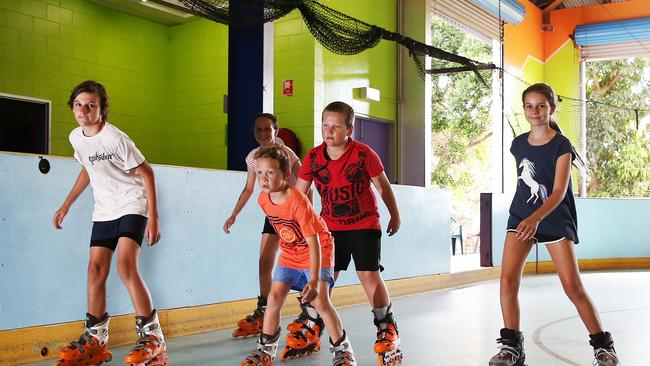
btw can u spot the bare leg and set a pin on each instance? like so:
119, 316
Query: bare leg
326, 310
375, 288
268, 248
566, 264
99, 266
512, 266
276, 297
127, 265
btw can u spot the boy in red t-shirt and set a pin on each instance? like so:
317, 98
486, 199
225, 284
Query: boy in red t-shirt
306, 260
342, 170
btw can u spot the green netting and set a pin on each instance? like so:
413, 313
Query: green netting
339, 33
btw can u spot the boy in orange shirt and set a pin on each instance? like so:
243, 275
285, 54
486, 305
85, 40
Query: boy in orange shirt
306, 262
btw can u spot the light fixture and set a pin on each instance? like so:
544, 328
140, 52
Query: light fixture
166, 9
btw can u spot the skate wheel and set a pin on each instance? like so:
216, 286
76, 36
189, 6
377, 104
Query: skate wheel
241, 333
284, 354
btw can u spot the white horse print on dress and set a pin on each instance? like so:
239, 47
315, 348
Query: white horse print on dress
527, 174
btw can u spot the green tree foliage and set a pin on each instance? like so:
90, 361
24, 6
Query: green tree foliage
460, 122
617, 152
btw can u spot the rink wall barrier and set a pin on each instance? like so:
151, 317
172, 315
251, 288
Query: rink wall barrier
611, 232
43, 270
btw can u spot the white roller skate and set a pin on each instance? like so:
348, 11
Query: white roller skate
267, 347
343, 353
150, 349
92, 347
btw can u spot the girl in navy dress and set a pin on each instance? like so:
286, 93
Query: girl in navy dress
543, 212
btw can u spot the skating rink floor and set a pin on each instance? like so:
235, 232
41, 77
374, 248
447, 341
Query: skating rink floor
459, 326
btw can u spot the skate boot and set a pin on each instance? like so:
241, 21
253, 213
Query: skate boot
387, 343
267, 347
604, 352
150, 349
511, 351
92, 346
343, 353
252, 324
304, 334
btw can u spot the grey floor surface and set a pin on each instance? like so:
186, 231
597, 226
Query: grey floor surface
459, 326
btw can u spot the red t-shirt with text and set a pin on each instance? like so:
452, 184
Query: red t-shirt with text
347, 200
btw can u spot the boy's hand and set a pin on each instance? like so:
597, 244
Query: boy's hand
310, 292
229, 222
58, 216
151, 232
393, 225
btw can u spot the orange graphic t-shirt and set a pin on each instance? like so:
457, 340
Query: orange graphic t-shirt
293, 220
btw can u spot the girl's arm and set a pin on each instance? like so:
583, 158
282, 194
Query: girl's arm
528, 227
152, 232
386, 192
79, 186
310, 292
244, 196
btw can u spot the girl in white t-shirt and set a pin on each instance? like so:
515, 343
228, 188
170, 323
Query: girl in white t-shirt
125, 211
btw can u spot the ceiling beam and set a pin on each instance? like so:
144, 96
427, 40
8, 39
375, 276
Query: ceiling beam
552, 6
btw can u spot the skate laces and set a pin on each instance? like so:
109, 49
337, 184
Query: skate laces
343, 354
305, 319
604, 354
507, 351
257, 313
343, 358
144, 333
259, 356
85, 338
387, 334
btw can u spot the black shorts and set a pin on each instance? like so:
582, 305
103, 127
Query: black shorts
107, 233
268, 228
364, 246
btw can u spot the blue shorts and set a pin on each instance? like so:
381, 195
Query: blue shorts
298, 278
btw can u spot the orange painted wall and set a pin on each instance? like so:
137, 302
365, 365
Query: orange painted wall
525, 38
564, 21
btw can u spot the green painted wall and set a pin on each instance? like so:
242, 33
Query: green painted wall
295, 59
198, 81
50, 46
320, 77
376, 67
165, 84
562, 71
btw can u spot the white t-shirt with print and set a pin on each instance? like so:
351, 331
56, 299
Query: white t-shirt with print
110, 158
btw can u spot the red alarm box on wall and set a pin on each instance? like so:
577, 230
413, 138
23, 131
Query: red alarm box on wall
287, 87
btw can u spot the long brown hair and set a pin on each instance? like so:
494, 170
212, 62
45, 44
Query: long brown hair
547, 91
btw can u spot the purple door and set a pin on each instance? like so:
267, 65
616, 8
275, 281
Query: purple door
379, 136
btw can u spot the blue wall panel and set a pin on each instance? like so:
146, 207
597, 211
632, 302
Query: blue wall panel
607, 228
43, 270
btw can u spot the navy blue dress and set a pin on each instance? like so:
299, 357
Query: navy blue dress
536, 175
